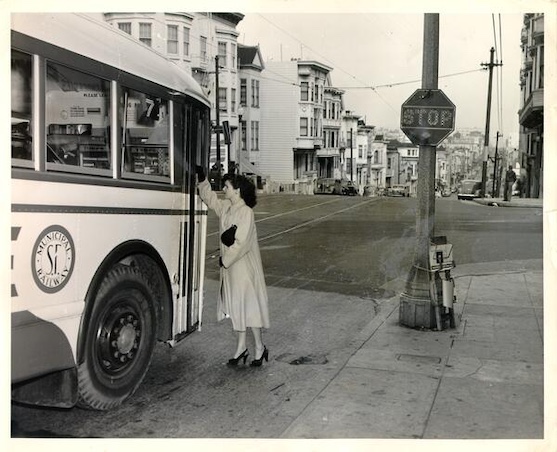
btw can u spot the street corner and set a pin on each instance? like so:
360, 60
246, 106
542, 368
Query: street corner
536, 203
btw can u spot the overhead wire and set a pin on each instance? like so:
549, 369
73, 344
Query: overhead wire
366, 85
390, 85
214, 47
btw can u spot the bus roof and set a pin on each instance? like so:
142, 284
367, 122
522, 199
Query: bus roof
97, 40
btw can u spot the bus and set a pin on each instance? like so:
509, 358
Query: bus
107, 230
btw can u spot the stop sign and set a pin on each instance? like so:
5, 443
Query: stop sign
427, 117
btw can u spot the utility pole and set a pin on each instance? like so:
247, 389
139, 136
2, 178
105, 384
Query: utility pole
493, 192
490, 66
217, 118
351, 156
416, 307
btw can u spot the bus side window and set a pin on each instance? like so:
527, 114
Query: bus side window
21, 106
77, 118
146, 135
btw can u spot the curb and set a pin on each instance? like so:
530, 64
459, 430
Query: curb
502, 203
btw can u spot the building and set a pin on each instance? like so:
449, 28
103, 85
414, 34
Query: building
328, 156
364, 144
464, 155
442, 170
291, 133
348, 145
393, 172
379, 162
409, 157
530, 115
248, 154
203, 43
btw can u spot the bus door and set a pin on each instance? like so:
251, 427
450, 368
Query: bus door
187, 315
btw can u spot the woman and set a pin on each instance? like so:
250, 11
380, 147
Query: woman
243, 294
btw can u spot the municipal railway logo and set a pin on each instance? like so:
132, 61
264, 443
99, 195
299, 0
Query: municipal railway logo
53, 259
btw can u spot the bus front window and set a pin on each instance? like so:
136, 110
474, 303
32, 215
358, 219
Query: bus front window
21, 106
77, 118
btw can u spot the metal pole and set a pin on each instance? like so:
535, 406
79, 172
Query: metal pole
217, 118
416, 307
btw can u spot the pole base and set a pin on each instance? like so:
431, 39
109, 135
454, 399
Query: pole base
417, 312
416, 309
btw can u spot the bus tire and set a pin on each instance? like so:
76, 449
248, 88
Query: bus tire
120, 336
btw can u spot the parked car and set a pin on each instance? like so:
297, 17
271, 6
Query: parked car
469, 189
398, 190
328, 185
347, 187
325, 186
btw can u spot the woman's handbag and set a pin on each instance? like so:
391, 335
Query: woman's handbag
228, 236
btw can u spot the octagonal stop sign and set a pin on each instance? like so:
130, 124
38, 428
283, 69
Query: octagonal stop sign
427, 117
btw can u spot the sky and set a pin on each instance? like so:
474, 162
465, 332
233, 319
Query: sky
384, 51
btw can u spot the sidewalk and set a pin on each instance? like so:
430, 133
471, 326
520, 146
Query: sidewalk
514, 202
480, 380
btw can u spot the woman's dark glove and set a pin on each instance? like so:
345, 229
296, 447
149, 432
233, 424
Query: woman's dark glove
228, 236
200, 173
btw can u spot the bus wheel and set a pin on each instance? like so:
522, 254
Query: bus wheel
120, 336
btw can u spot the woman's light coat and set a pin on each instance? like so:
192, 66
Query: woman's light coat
243, 294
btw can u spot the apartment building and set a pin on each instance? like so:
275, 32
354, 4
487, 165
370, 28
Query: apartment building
530, 116
442, 169
203, 43
291, 131
250, 68
378, 164
329, 163
287, 120
348, 145
364, 140
464, 155
409, 157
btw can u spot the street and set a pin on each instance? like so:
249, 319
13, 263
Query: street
344, 256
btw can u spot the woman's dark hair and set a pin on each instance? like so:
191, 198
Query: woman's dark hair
246, 186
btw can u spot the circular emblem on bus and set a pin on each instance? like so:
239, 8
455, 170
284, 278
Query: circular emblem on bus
53, 259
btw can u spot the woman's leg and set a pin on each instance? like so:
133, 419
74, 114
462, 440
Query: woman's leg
259, 347
241, 343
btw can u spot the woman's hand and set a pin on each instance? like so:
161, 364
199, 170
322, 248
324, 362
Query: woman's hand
200, 173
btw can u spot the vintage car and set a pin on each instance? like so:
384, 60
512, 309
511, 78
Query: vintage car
347, 187
469, 189
335, 187
398, 190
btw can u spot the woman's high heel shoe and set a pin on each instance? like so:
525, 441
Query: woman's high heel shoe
234, 361
264, 355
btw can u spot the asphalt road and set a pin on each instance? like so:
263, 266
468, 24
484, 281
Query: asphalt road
341, 256
358, 245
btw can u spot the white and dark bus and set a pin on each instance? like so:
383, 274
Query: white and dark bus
107, 231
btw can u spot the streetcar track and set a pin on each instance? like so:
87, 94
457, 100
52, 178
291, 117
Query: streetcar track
314, 220
300, 225
284, 213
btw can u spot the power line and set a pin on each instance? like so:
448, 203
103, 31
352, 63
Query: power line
390, 85
365, 85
